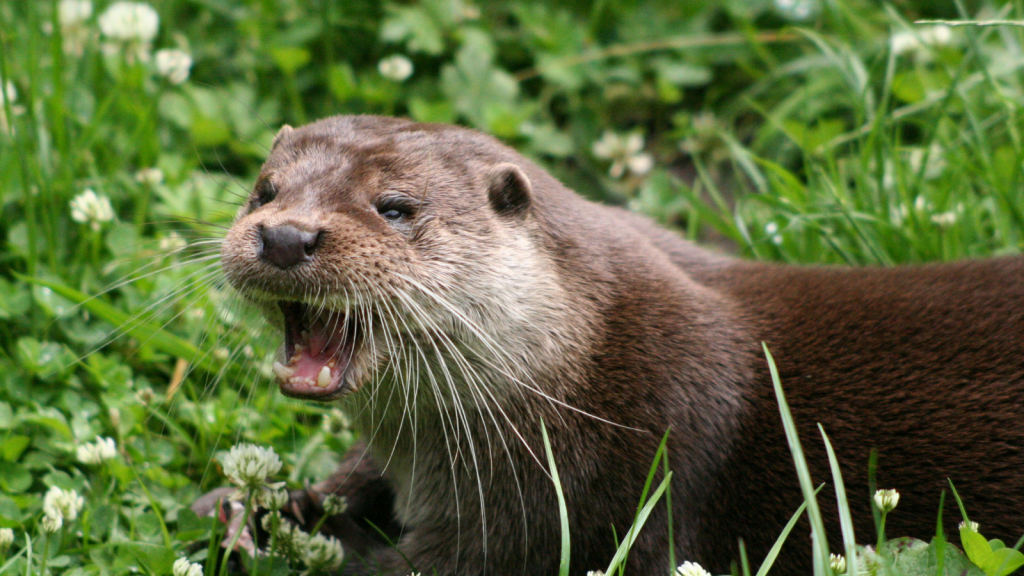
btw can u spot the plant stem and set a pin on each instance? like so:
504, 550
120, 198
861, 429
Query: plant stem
238, 534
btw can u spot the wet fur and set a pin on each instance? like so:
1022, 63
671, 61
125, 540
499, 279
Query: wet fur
593, 308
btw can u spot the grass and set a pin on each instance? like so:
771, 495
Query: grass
799, 138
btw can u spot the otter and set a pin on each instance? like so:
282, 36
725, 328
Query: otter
450, 294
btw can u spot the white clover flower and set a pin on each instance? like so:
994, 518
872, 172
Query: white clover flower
397, 68
289, 539
51, 523
837, 562
182, 567
172, 243
145, 395
73, 13
903, 42
914, 42
936, 163
323, 553
624, 152
173, 64
923, 205
691, 569
274, 499
89, 207
334, 504
970, 525
796, 9
130, 22
6, 539
886, 500
97, 452
129, 28
595, 573
9, 94
150, 176
248, 466
945, 219
61, 503
271, 521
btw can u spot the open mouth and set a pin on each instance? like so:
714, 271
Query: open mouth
318, 345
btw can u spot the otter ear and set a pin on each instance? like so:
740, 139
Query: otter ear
281, 135
508, 189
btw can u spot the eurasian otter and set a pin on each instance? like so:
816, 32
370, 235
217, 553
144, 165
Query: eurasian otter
450, 294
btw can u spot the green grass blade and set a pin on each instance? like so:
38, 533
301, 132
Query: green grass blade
845, 519
627, 543
959, 502
647, 486
769, 559
563, 511
940, 538
802, 472
744, 563
668, 505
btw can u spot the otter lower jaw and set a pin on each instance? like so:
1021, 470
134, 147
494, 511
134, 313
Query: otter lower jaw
319, 347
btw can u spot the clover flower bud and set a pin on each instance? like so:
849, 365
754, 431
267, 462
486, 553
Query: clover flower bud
886, 500
145, 395
837, 562
273, 499
97, 452
73, 13
6, 539
624, 152
970, 525
334, 504
323, 553
182, 567
173, 64
397, 68
271, 521
150, 176
289, 538
691, 569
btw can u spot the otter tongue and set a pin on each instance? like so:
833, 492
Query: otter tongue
320, 347
315, 339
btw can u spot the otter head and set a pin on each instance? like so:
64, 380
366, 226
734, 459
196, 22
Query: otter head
365, 238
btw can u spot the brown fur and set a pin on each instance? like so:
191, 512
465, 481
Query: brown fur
638, 331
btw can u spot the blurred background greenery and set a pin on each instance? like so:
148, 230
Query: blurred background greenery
813, 131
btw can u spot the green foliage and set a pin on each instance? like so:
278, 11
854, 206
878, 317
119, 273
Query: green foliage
911, 557
992, 556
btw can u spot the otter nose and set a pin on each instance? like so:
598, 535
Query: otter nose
285, 246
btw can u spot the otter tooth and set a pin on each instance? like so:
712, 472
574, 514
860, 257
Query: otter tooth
323, 379
283, 372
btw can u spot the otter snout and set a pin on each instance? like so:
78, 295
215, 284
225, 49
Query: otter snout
285, 246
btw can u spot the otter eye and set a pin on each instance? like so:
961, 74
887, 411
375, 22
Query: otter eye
264, 194
395, 209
